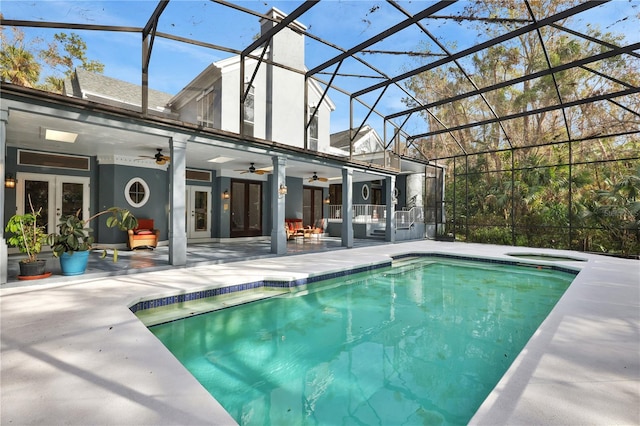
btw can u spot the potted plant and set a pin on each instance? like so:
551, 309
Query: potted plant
28, 237
73, 242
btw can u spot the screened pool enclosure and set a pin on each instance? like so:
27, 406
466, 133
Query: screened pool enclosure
522, 117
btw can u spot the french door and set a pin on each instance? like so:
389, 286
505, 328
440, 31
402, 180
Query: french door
57, 195
198, 212
246, 208
311, 206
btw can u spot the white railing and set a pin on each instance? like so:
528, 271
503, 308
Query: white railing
406, 218
362, 213
371, 213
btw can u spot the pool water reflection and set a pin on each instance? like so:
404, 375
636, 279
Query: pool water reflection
423, 343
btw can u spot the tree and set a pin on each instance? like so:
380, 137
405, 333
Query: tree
64, 63
616, 209
17, 63
22, 62
537, 199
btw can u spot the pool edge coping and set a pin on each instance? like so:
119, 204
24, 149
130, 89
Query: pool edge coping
152, 302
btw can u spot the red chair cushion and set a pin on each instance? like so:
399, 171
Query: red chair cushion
145, 223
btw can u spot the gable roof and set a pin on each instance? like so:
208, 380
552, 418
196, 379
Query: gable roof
87, 85
366, 141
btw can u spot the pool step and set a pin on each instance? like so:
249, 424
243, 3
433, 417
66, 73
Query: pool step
406, 261
378, 234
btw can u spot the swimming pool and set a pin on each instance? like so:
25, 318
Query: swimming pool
420, 343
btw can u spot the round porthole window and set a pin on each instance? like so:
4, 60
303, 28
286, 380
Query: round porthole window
136, 192
365, 192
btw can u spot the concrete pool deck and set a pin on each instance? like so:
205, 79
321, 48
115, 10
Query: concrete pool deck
73, 353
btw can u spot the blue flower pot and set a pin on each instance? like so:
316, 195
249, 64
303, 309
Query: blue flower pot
74, 263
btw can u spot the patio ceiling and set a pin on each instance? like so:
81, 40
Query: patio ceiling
363, 54
26, 130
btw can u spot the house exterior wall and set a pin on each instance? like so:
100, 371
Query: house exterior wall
279, 108
230, 98
324, 123
287, 107
112, 194
221, 216
107, 185
293, 203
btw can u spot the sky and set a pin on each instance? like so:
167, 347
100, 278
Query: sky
344, 23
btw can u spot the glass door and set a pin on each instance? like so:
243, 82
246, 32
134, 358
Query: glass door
246, 208
57, 195
198, 212
311, 206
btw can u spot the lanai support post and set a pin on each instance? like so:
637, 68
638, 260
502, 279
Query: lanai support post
347, 207
177, 232
4, 251
278, 233
390, 231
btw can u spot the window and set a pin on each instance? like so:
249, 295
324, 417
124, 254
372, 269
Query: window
365, 192
200, 175
249, 110
313, 129
46, 159
136, 192
206, 105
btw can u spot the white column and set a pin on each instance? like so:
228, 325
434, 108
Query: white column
415, 189
4, 119
178, 209
390, 232
347, 207
278, 233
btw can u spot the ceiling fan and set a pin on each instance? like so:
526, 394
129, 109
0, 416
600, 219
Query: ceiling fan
316, 178
159, 157
252, 169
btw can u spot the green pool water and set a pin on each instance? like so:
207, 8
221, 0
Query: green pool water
418, 344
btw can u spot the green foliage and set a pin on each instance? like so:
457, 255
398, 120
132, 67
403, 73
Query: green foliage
490, 235
27, 235
616, 209
17, 62
74, 234
21, 63
538, 202
74, 55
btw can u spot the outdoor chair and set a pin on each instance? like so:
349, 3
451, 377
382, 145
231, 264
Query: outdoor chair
144, 236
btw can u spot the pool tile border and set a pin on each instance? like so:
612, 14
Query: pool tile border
204, 294
282, 284
489, 260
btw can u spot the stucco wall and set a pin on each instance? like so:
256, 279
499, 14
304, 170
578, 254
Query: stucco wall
113, 180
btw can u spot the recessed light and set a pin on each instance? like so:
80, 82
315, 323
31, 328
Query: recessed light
60, 136
220, 159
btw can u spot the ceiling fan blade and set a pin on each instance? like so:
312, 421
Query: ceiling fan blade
323, 179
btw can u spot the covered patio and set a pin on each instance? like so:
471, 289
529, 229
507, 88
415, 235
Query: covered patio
138, 261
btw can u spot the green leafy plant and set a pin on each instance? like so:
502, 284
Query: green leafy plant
75, 235
26, 234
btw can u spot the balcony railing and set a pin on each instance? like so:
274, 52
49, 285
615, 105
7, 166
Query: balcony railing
362, 213
372, 213
406, 218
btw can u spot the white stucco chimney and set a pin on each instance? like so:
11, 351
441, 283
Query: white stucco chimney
284, 119
287, 46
